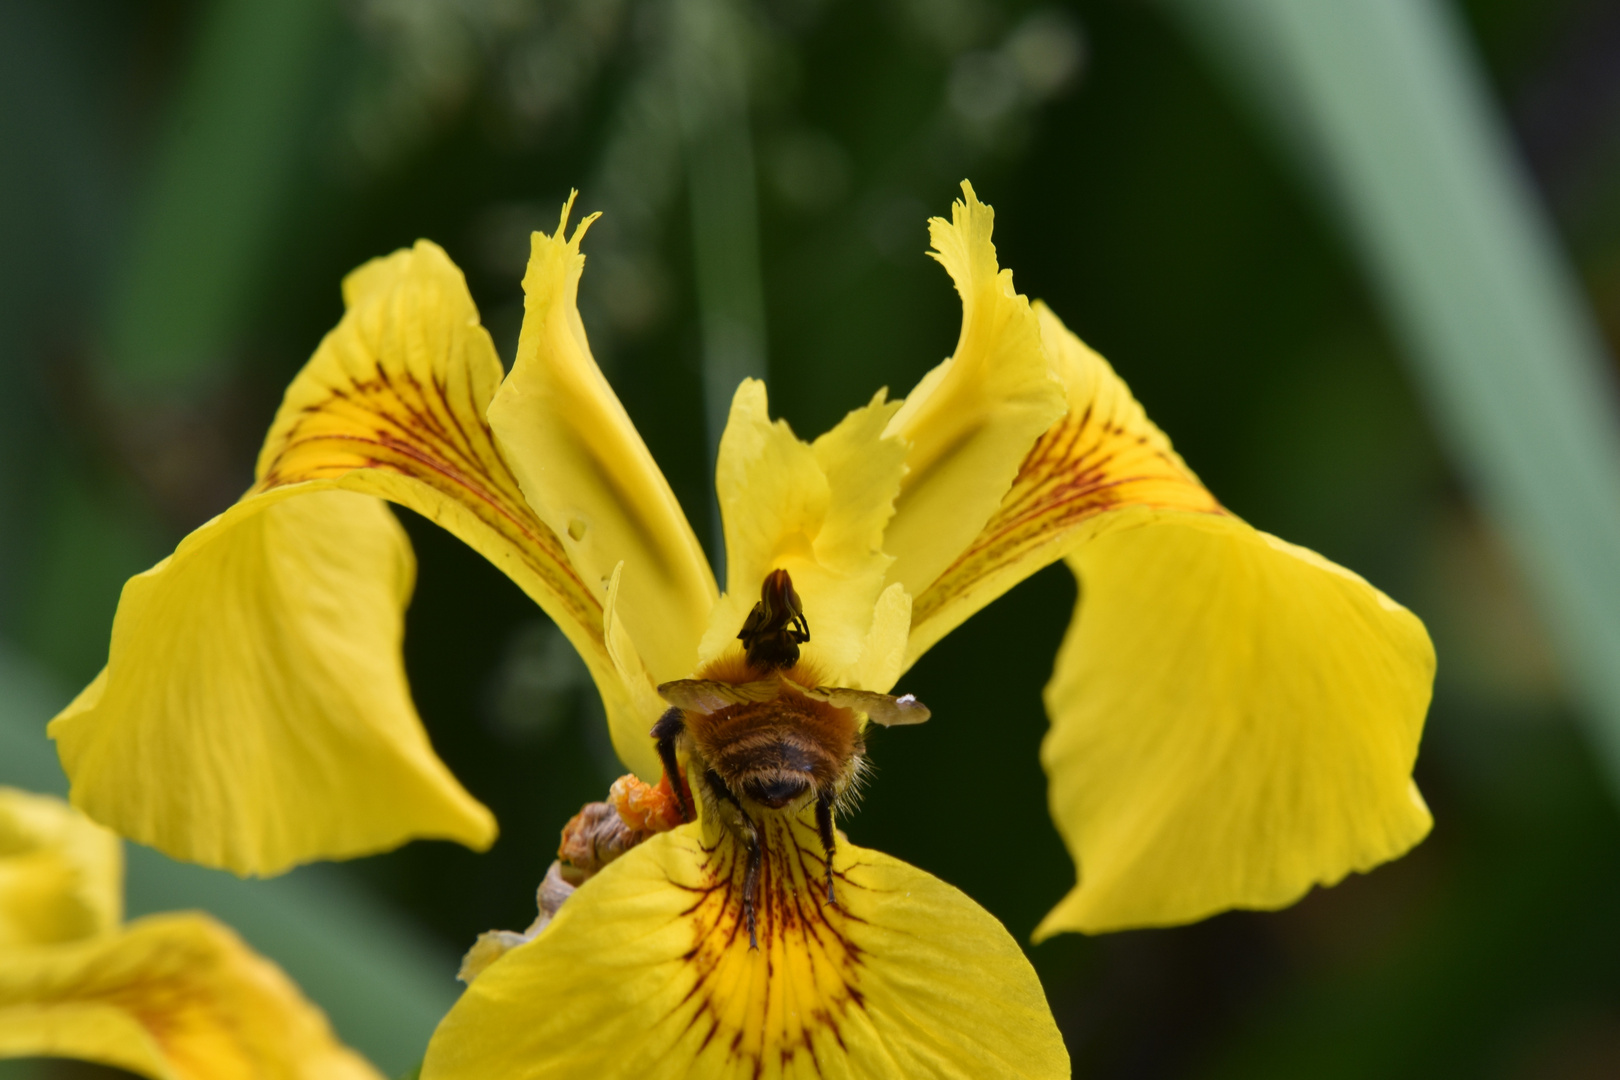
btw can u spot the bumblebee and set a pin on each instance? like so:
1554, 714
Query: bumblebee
761, 735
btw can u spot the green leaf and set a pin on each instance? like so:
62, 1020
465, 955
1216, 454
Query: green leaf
1383, 105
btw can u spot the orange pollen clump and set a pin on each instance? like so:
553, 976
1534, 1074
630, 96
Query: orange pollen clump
645, 807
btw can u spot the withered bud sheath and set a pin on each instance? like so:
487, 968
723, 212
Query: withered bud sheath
593, 838
776, 627
602, 831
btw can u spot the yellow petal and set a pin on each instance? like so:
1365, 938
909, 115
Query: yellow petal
971, 420
646, 972
631, 716
393, 404
884, 658
587, 473
61, 874
254, 712
1103, 455
1234, 720
816, 510
173, 997
255, 676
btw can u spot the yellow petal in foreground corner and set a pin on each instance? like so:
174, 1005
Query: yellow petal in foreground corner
647, 972
1234, 720
172, 997
61, 874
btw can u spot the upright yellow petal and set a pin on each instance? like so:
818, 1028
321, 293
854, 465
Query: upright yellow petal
61, 874
1234, 720
1103, 457
254, 712
971, 420
393, 403
628, 723
173, 997
646, 973
816, 510
587, 473
884, 658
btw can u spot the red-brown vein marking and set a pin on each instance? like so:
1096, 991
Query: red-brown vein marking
1082, 466
435, 434
776, 1011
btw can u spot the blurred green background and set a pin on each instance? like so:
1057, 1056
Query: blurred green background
183, 185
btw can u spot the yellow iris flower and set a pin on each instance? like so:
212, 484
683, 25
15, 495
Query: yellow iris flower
171, 997
1234, 719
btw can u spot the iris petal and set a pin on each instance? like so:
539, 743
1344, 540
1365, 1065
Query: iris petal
246, 646
971, 420
254, 712
393, 404
630, 721
61, 875
1234, 720
586, 471
172, 997
647, 972
1103, 456
817, 510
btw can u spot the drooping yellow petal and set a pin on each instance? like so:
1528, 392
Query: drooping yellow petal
587, 473
173, 997
971, 420
816, 510
646, 972
254, 712
1103, 457
61, 874
1234, 720
255, 676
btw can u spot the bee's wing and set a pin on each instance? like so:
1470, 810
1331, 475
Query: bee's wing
709, 695
885, 709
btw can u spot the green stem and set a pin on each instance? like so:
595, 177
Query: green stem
712, 90
235, 134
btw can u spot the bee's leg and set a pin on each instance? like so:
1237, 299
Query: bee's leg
743, 827
751, 887
668, 732
824, 825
